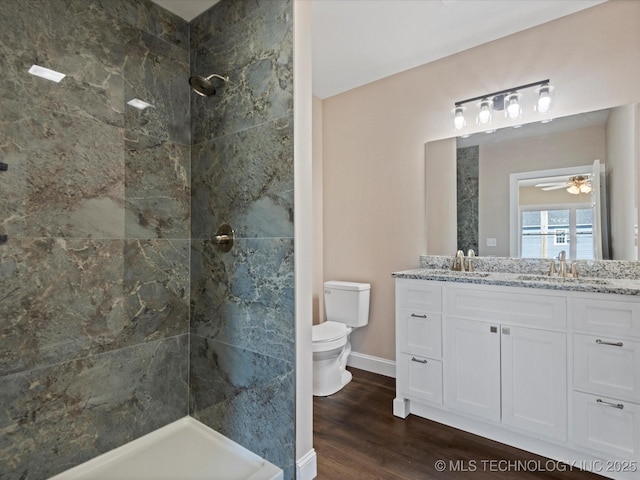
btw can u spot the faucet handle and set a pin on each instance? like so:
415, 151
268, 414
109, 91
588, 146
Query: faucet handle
458, 261
470, 255
552, 268
574, 270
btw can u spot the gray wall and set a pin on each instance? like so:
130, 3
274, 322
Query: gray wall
242, 366
94, 281
96, 278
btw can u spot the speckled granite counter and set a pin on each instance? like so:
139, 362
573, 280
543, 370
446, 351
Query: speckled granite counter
615, 277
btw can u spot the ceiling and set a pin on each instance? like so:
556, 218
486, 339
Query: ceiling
356, 42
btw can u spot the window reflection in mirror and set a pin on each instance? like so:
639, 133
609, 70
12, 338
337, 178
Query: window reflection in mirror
560, 210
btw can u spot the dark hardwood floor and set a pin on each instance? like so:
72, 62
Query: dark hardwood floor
356, 437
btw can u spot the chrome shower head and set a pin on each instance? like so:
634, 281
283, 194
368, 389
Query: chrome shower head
203, 85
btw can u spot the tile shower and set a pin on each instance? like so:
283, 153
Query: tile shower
117, 313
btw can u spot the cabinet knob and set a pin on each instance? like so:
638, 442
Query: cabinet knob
493, 329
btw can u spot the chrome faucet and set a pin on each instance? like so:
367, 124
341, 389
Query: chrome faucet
458, 262
562, 259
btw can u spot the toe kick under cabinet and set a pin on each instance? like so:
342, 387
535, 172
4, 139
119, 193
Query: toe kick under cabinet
553, 372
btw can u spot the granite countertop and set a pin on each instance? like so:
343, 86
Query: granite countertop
615, 279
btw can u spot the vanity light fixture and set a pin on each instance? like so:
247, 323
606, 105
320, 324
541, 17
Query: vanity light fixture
512, 101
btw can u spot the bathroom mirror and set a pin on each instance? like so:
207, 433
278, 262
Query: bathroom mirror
488, 216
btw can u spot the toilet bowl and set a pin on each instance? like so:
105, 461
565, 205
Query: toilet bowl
330, 358
347, 306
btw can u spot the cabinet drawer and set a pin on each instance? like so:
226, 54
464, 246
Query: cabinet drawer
420, 333
418, 295
609, 317
506, 307
605, 365
607, 425
420, 378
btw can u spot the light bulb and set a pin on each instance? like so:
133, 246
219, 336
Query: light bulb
458, 118
543, 105
585, 188
513, 106
573, 189
484, 116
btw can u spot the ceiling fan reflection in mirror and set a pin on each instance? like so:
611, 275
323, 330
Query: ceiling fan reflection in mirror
576, 184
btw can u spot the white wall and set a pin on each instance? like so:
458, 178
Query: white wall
318, 224
302, 107
622, 171
441, 198
373, 139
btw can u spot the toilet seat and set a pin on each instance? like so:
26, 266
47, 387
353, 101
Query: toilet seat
329, 335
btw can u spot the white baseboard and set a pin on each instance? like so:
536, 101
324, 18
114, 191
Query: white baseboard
307, 466
378, 365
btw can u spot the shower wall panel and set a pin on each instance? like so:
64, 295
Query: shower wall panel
467, 192
242, 363
94, 279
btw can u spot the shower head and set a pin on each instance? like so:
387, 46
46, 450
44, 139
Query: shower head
203, 85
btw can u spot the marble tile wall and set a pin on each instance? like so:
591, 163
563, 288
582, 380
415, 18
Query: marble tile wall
94, 280
242, 303
467, 176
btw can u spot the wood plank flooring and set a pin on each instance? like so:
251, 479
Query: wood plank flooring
356, 437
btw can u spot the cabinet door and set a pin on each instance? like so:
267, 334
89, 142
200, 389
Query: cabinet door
472, 367
420, 378
420, 333
607, 425
534, 381
608, 366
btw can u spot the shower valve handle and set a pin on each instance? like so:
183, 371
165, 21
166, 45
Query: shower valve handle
224, 238
4, 167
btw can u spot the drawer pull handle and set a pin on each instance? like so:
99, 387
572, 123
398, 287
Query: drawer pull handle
617, 344
418, 316
414, 359
608, 404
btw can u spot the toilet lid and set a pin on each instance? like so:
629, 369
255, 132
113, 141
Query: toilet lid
327, 331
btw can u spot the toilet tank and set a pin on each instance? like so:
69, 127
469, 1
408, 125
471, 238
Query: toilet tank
347, 302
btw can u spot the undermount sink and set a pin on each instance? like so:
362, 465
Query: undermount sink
545, 278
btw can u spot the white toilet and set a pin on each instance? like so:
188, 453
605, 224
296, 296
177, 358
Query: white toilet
347, 307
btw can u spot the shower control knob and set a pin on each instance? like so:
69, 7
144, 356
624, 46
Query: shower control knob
4, 239
4, 167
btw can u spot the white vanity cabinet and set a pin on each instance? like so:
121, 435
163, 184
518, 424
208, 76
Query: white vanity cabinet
550, 371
